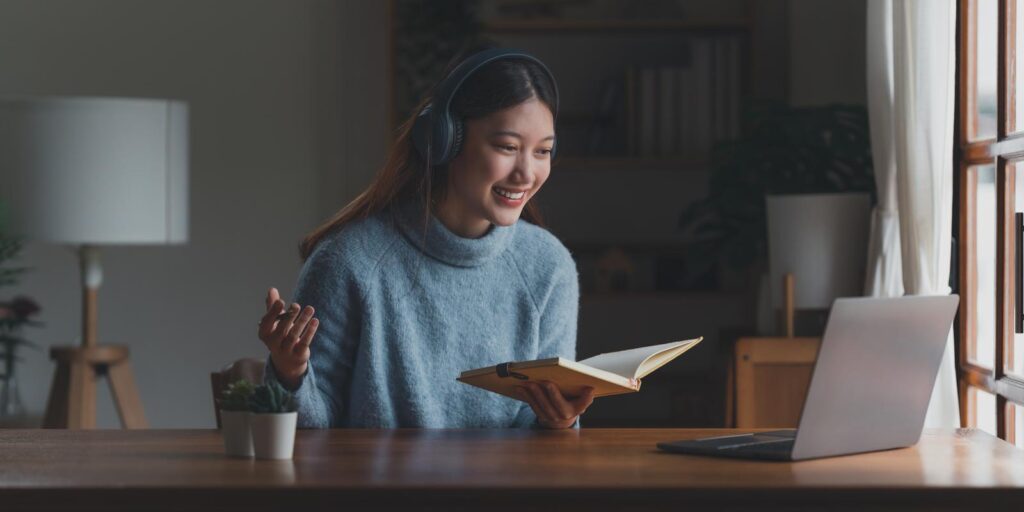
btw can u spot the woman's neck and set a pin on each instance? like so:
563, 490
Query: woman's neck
454, 216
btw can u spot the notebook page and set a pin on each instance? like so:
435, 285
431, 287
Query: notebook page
627, 362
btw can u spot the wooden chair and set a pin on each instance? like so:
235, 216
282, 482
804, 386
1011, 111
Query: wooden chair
250, 369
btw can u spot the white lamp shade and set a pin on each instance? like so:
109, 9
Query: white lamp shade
822, 240
95, 170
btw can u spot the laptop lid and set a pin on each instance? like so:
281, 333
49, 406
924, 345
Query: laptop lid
874, 374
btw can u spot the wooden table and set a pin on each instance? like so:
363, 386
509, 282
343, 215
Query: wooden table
486, 470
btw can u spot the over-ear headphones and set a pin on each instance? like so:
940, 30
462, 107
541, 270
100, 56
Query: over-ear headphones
443, 132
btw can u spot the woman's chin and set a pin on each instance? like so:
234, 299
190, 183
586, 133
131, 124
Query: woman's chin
505, 218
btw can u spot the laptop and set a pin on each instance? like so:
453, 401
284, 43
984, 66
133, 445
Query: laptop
870, 387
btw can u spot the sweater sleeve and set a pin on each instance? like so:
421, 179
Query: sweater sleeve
326, 283
558, 324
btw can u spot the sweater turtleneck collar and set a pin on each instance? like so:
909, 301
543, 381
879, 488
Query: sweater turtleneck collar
435, 239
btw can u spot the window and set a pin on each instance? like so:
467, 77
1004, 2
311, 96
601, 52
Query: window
990, 168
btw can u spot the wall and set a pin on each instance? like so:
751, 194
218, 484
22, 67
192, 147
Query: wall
280, 137
827, 52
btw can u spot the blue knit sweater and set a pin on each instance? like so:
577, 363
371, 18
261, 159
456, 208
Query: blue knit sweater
406, 305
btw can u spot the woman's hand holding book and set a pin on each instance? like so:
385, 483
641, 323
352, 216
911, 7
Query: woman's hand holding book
553, 409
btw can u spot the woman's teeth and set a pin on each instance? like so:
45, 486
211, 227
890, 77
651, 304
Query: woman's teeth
509, 194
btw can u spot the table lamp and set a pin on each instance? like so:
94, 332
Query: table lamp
820, 242
87, 172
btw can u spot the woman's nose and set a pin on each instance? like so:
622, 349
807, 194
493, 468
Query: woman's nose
524, 169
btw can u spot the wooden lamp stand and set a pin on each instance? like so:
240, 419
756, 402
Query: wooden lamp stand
72, 401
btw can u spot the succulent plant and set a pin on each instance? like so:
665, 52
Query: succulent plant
237, 395
271, 398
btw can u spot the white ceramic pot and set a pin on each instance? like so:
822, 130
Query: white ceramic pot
234, 426
273, 435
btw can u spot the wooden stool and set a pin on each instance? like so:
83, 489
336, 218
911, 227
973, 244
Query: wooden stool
770, 376
72, 402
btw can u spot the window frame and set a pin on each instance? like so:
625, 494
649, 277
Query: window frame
1005, 151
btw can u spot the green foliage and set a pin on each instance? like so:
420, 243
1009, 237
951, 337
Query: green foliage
783, 150
237, 395
18, 312
271, 399
10, 246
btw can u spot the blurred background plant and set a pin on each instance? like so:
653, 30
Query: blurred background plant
782, 150
15, 314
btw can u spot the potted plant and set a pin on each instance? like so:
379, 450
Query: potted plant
783, 150
234, 418
272, 420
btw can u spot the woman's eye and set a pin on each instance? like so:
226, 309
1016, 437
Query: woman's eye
545, 151
506, 148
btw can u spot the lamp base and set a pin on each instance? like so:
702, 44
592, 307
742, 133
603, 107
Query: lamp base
72, 402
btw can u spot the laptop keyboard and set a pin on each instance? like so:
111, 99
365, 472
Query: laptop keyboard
766, 444
774, 440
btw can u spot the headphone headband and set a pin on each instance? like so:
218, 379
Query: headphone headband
437, 129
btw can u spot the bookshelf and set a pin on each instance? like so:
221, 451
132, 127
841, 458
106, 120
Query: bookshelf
612, 25
629, 163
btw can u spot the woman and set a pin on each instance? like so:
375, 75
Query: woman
430, 271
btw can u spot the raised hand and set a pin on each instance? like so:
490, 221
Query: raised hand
287, 334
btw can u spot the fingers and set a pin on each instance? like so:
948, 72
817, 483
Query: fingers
269, 319
551, 407
527, 395
582, 402
291, 340
307, 335
540, 403
272, 297
284, 326
562, 407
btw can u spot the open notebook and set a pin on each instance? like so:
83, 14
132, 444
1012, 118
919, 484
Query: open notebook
613, 373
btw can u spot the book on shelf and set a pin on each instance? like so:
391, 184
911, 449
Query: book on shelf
680, 109
667, 113
648, 120
701, 63
612, 373
602, 131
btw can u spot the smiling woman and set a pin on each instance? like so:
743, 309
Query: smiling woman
440, 265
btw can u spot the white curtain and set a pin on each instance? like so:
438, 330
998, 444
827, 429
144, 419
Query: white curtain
910, 75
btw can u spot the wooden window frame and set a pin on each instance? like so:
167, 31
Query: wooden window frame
1004, 151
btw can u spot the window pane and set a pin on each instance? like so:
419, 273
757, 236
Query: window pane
1017, 413
987, 36
1014, 355
984, 406
1017, 119
983, 266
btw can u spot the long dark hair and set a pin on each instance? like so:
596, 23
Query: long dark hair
497, 85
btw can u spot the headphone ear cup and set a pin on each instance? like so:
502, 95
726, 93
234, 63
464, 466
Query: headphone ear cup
458, 133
